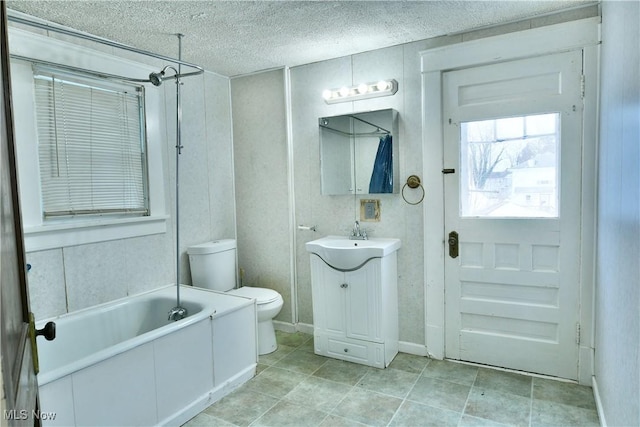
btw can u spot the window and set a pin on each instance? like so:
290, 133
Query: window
510, 167
91, 146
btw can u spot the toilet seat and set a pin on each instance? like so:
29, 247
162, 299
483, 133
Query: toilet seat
261, 295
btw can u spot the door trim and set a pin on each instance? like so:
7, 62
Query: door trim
582, 34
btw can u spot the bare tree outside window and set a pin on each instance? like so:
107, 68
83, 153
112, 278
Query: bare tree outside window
510, 167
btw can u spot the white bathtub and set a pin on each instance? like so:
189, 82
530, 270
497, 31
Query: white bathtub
124, 364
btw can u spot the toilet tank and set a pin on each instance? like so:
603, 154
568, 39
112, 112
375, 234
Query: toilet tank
213, 265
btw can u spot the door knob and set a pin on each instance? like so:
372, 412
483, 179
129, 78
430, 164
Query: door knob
48, 332
453, 244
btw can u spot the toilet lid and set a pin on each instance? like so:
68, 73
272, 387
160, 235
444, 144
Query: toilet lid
262, 295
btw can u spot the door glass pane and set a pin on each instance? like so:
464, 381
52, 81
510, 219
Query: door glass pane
509, 167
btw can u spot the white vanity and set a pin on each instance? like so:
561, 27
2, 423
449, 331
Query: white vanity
355, 299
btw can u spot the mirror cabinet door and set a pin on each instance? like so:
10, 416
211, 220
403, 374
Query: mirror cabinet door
359, 153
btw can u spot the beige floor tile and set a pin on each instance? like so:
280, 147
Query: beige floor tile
451, 371
296, 387
393, 382
289, 414
274, 382
440, 394
498, 406
242, 407
343, 372
545, 413
563, 392
417, 414
318, 393
302, 362
507, 382
367, 407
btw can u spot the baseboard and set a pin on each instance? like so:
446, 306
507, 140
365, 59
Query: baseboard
412, 348
284, 326
596, 396
305, 327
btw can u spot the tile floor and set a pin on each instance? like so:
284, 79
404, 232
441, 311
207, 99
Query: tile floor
295, 387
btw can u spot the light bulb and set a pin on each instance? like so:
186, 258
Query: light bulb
326, 94
344, 91
382, 85
363, 88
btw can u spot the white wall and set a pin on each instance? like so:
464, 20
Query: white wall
336, 214
262, 185
617, 357
70, 278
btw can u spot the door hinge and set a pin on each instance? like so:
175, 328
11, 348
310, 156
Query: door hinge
578, 333
582, 86
34, 345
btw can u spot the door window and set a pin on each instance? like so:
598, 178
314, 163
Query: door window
510, 167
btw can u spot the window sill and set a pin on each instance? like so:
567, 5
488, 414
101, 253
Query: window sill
76, 233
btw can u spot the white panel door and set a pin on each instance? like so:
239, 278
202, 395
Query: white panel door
513, 134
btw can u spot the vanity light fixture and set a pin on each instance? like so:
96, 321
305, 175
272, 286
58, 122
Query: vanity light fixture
361, 91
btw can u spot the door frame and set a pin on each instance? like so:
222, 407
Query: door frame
582, 34
18, 370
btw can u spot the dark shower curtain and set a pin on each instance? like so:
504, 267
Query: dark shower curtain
382, 175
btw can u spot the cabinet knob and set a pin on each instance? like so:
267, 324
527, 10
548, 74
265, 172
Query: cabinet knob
346, 350
344, 285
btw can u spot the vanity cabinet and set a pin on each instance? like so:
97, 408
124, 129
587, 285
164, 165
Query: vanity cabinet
355, 313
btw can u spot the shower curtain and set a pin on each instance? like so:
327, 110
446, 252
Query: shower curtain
382, 175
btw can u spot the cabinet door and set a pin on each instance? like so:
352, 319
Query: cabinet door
362, 297
328, 297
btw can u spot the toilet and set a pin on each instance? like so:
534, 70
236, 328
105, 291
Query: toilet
213, 266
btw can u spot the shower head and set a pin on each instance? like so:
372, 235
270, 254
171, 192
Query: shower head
157, 78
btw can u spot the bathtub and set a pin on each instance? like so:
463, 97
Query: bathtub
124, 364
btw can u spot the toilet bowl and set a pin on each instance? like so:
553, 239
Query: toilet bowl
268, 303
213, 266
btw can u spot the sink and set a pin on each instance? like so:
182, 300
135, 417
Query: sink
344, 254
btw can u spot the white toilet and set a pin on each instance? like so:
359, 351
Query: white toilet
213, 266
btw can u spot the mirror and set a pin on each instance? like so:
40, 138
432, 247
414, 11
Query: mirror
359, 153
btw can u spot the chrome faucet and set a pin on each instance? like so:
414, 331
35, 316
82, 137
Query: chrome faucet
357, 233
177, 313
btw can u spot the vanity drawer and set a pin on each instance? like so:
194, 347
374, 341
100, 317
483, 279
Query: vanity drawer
364, 352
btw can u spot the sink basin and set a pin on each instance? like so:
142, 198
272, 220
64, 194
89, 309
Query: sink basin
344, 254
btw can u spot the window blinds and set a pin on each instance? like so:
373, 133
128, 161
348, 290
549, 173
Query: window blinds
91, 147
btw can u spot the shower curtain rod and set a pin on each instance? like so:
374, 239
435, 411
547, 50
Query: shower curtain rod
78, 70
68, 32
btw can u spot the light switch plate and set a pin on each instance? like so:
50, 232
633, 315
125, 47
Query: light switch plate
370, 210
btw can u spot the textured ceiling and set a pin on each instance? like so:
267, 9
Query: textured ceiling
238, 37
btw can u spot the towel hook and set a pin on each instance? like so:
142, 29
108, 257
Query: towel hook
413, 182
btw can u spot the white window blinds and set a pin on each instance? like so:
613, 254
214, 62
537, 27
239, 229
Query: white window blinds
91, 145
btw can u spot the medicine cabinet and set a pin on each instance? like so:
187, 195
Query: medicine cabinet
359, 153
